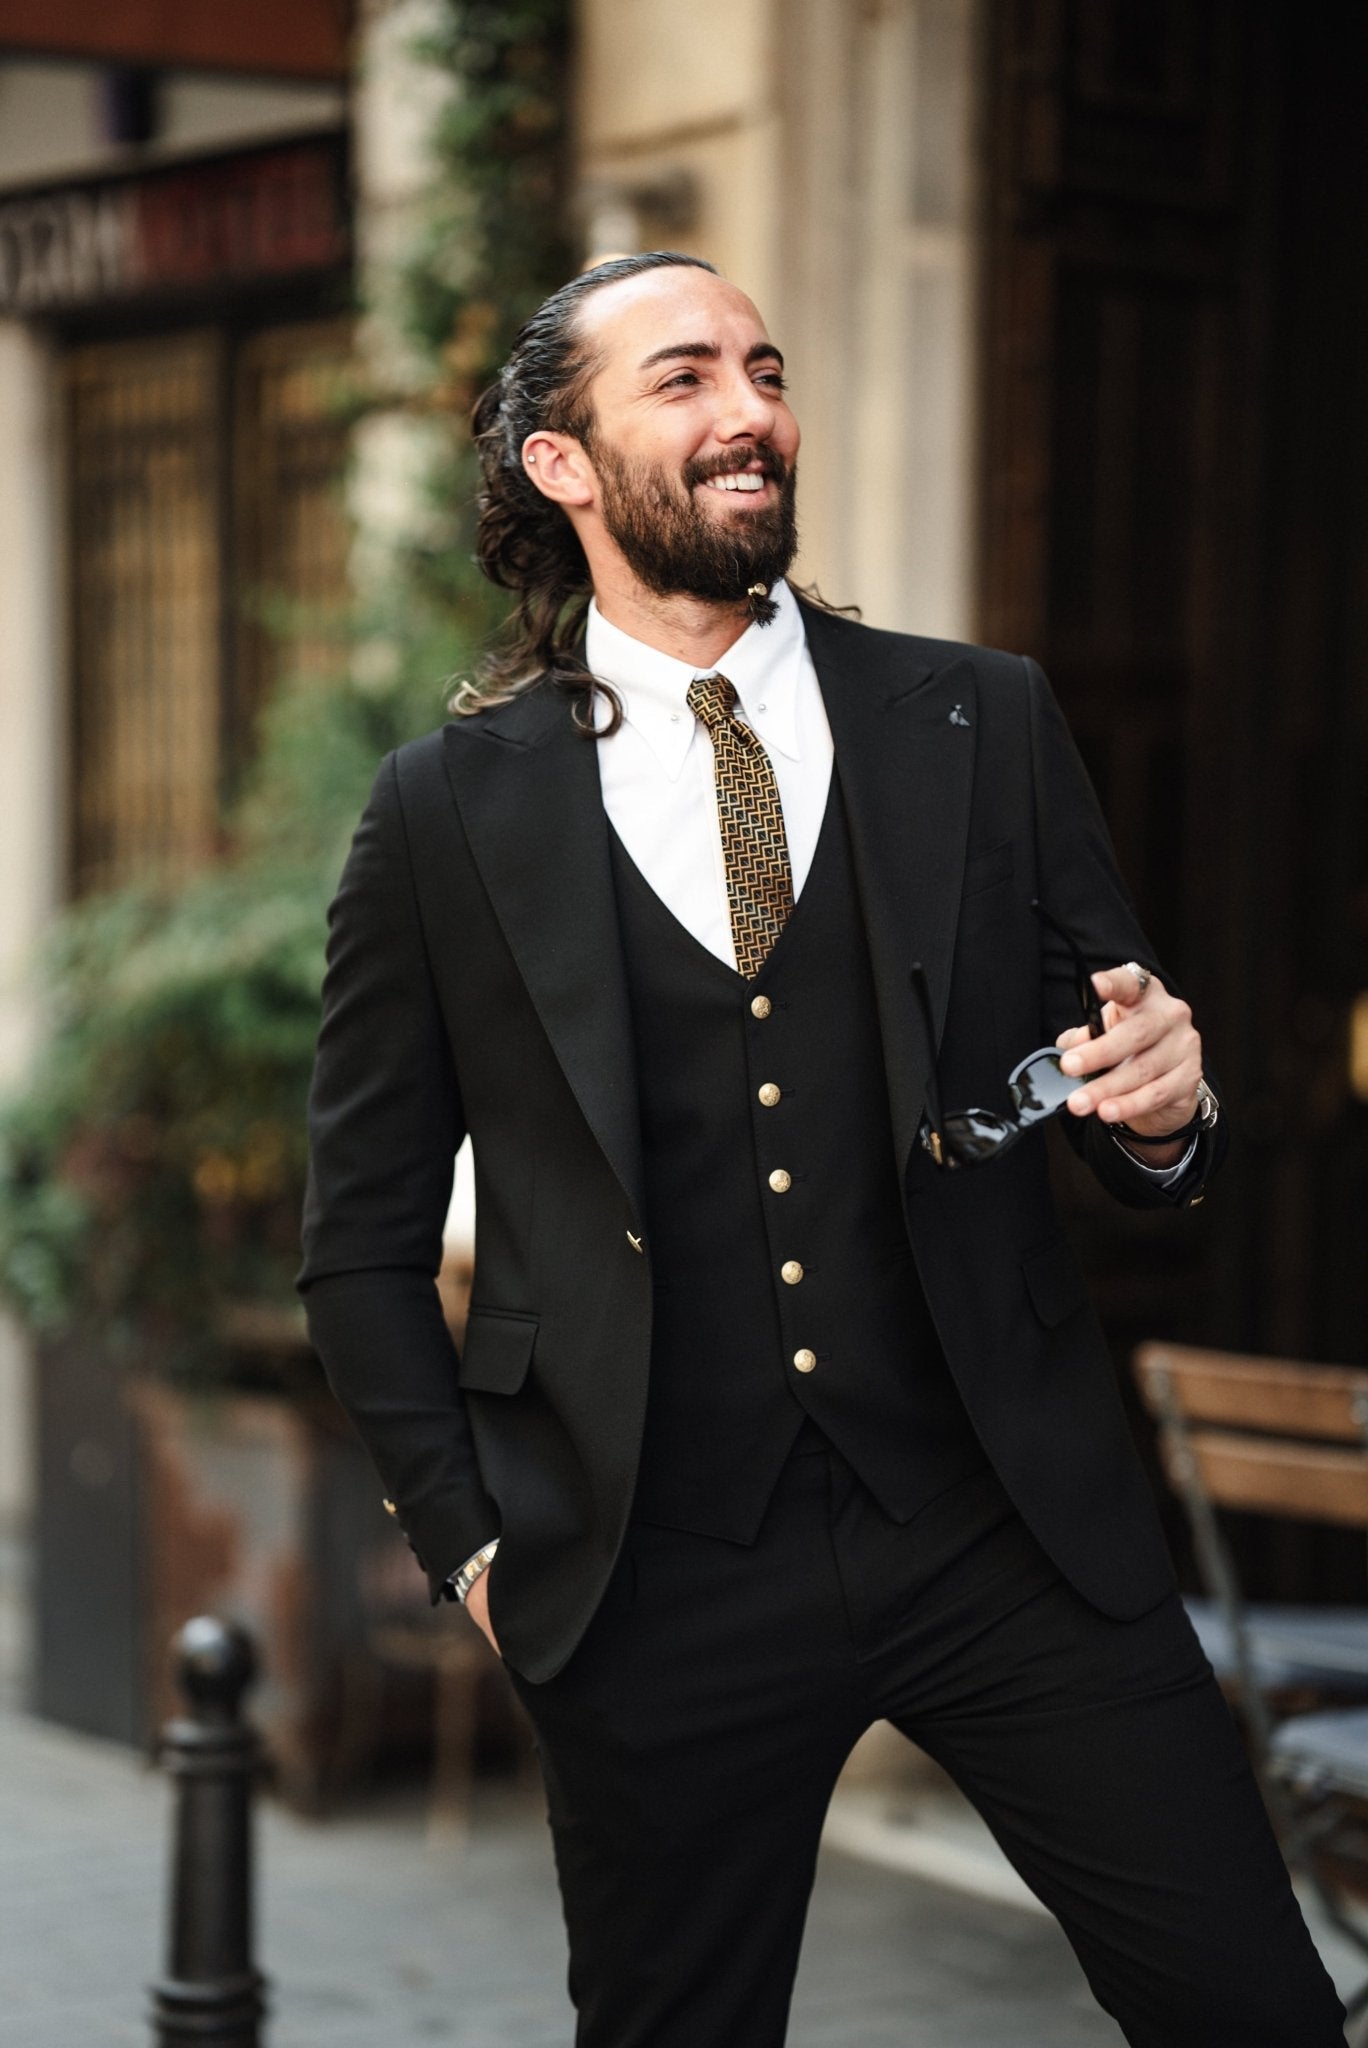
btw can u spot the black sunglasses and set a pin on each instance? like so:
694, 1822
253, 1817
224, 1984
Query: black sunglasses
1038, 1086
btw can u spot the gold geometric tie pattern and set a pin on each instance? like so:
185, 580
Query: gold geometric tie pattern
754, 849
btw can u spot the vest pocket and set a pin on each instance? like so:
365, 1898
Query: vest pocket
1054, 1281
982, 870
497, 1350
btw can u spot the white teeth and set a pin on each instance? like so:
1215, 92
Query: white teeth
737, 482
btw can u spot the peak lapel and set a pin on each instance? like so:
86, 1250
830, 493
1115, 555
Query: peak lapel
527, 787
904, 731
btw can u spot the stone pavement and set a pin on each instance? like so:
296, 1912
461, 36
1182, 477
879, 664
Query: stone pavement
373, 1935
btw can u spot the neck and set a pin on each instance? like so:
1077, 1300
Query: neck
691, 629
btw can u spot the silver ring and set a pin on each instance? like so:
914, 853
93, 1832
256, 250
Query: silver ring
1134, 967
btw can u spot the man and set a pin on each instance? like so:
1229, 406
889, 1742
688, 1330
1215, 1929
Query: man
780, 1399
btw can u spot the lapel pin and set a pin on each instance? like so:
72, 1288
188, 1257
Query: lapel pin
957, 716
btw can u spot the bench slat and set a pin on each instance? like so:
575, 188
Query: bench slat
1267, 1476
1255, 1393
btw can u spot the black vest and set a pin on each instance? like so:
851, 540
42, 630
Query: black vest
775, 1226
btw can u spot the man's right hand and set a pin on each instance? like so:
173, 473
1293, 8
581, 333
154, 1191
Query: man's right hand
477, 1607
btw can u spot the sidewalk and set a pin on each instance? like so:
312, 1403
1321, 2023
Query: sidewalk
373, 1936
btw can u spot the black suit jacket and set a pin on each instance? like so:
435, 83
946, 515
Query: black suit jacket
476, 983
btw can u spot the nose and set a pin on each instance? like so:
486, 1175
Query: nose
745, 412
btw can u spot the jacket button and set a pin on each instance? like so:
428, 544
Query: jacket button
761, 1006
780, 1181
805, 1361
791, 1271
769, 1093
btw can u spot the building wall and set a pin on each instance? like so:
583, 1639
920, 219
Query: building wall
823, 156
51, 122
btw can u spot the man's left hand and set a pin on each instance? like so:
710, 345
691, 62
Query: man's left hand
1144, 1069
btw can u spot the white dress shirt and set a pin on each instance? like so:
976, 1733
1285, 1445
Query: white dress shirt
656, 770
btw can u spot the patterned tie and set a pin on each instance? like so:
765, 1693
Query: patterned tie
754, 849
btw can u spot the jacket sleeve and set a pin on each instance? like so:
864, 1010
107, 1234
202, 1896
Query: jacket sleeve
1081, 887
385, 1123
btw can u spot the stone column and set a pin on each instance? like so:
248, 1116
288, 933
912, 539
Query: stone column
32, 791
397, 100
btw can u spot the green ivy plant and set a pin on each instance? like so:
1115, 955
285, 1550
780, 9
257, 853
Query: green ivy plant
152, 1163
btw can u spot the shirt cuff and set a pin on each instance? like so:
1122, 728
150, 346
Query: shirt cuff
1162, 1176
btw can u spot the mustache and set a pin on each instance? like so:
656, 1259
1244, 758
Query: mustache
768, 461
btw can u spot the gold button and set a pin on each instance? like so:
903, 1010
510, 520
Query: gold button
791, 1271
805, 1361
769, 1093
761, 1006
780, 1181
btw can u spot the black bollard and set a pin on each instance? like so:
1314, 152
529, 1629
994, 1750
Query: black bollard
212, 1995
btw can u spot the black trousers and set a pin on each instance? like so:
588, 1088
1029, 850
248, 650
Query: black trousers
691, 1745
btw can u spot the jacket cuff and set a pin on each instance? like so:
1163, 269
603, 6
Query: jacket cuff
444, 1533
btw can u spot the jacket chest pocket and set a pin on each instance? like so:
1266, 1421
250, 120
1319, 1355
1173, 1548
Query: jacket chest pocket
497, 1351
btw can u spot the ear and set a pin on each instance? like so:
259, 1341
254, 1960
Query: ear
559, 467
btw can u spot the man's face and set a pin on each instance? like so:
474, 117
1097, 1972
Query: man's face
693, 445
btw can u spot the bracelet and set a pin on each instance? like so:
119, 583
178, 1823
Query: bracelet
458, 1586
1187, 1130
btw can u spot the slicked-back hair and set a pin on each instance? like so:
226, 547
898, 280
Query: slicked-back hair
524, 542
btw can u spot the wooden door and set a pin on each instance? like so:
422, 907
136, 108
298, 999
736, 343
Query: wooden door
209, 550
1175, 520
146, 485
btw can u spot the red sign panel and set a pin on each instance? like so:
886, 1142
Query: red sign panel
272, 212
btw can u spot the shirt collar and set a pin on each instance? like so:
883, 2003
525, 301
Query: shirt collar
764, 667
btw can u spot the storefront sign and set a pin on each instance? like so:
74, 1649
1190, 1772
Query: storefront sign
263, 213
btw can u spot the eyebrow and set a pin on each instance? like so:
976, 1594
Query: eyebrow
708, 351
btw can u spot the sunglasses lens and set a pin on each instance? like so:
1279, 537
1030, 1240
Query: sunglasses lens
1039, 1088
974, 1135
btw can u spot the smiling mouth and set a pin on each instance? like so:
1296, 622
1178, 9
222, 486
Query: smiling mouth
745, 483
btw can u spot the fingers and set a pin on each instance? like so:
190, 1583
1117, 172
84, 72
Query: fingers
1143, 1070
1124, 986
1163, 1105
1130, 1028
1128, 1078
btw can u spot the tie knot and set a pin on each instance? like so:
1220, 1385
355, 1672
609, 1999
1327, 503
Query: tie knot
710, 699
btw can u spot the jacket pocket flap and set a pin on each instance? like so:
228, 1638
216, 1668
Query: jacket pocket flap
497, 1351
1054, 1280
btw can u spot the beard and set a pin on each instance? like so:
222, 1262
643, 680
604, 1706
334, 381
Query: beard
676, 549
